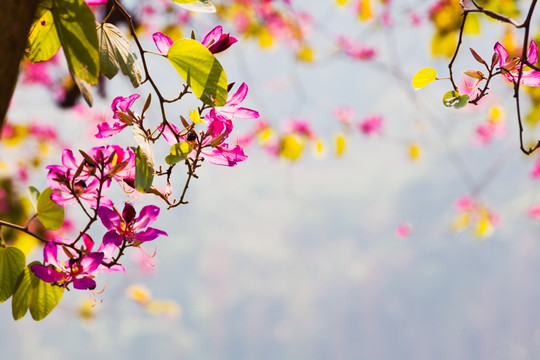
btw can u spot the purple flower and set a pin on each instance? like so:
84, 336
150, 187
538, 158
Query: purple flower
76, 270
216, 41
127, 228
232, 111
510, 68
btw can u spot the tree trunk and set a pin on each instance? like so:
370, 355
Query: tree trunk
14, 29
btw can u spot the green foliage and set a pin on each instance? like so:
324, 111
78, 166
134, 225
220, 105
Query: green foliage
201, 70
144, 171
115, 51
76, 27
43, 41
35, 295
33, 195
12, 261
49, 213
454, 99
178, 153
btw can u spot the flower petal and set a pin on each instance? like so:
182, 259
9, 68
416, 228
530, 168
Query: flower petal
163, 42
503, 54
109, 217
149, 234
532, 56
147, 216
84, 283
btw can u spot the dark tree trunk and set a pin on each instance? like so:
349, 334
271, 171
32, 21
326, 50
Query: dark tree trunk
14, 28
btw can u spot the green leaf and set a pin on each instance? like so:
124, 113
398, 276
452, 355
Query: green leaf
178, 153
204, 6
21, 296
43, 298
76, 27
49, 213
115, 51
34, 294
462, 101
144, 171
201, 70
43, 41
33, 195
424, 77
12, 261
454, 99
450, 98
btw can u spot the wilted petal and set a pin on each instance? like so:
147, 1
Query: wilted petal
163, 42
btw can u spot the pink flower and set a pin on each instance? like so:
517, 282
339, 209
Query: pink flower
225, 156
404, 230
216, 41
534, 212
78, 270
510, 68
127, 228
95, 2
355, 50
163, 42
232, 111
371, 125
120, 103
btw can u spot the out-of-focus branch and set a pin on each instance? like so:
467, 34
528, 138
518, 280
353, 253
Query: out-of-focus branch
14, 29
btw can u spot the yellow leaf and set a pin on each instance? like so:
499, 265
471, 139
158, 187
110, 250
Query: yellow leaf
291, 147
265, 39
483, 228
25, 243
140, 294
461, 222
195, 117
444, 44
424, 77
166, 307
265, 136
472, 25
341, 143
305, 54
365, 10
414, 151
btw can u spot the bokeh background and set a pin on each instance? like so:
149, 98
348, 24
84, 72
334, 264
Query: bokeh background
278, 259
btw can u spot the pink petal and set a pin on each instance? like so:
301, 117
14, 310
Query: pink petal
90, 262
163, 42
532, 56
47, 274
238, 96
109, 217
84, 283
149, 234
503, 54
147, 216
530, 78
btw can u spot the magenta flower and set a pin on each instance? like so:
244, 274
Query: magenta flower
120, 103
127, 228
163, 42
216, 41
510, 68
78, 271
222, 155
371, 125
232, 111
